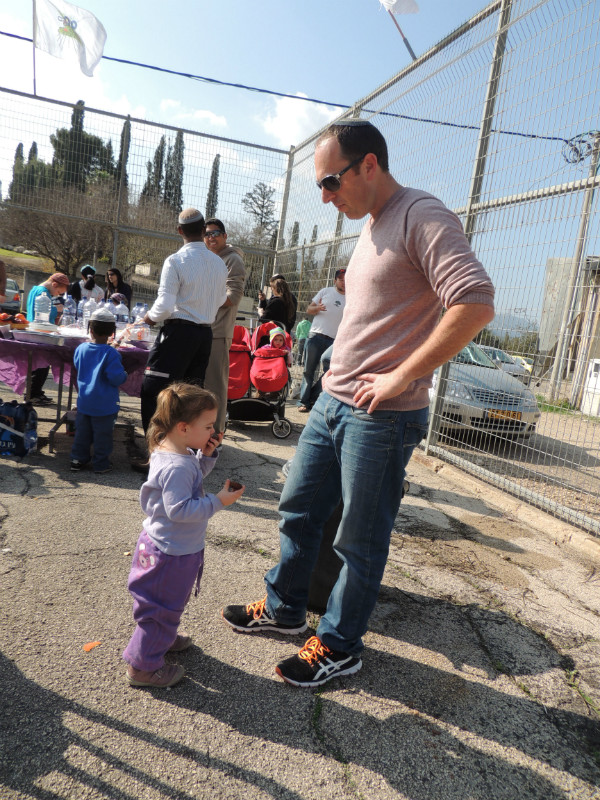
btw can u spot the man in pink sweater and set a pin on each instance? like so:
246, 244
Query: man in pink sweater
411, 261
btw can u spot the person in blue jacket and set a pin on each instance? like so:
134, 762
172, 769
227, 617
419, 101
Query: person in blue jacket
99, 374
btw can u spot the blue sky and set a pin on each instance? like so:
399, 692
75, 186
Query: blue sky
335, 50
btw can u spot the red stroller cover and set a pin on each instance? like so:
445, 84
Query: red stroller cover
239, 363
269, 372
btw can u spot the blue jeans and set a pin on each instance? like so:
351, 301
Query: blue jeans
325, 364
315, 346
343, 453
97, 431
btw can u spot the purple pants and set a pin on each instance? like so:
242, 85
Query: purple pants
161, 586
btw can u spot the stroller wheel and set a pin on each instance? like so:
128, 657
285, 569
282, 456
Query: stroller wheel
281, 428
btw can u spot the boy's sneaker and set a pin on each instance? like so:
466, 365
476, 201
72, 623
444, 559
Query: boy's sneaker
254, 618
103, 471
77, 466
316, 664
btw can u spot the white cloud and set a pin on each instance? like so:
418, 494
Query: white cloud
295, 120
167, 103
180, 113
210, 117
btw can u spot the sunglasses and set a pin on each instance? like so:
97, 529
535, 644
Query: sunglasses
212, 234
332, 182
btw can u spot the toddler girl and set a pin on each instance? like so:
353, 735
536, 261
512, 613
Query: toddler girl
169, 556
277, 342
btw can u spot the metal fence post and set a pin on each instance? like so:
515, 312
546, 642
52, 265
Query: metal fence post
567, 318
474, 193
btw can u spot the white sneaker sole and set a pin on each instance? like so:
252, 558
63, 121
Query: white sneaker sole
313, 684
263, 627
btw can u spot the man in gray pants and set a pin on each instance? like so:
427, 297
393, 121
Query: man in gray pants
217, 371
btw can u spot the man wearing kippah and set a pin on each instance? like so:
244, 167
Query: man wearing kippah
412, 260
191, 290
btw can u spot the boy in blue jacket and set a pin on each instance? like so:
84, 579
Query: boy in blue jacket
99, 374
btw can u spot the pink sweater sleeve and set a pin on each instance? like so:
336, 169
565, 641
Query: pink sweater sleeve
437, 245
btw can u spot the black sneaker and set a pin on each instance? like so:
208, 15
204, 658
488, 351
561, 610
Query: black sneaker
254, 618
41, 399
316, 664
77, 466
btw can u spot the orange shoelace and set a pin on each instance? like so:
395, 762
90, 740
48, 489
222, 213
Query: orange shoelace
313, 649
257, 608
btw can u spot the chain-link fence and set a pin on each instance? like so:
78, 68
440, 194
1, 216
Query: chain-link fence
499, 120
80, 184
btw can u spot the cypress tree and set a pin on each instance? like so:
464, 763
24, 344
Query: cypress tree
212, 198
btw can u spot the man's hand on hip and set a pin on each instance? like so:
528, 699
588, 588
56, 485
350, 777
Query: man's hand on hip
379, 387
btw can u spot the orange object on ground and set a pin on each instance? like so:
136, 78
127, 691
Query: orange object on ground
90, 646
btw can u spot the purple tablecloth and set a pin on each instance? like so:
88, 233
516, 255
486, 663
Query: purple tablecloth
13, 364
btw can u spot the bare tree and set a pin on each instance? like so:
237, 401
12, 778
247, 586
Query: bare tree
260, 205
66, 241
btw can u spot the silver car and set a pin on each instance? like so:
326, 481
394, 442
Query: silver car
507, 363
481, 397
12, 304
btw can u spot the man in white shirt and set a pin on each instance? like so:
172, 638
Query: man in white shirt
327, 307
192, 288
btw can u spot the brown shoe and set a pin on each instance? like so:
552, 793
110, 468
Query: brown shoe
168, 675
140, 465
182, 642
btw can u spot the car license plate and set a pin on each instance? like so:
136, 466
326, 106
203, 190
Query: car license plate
501, 413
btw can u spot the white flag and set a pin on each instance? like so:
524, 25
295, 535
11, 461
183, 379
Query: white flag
59, 27
400, 6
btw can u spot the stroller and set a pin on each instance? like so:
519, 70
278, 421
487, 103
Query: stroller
259, 379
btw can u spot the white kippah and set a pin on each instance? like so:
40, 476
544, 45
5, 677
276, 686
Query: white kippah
102, 315
189, 215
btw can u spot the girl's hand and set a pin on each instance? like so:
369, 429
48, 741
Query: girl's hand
228, 495
214, 441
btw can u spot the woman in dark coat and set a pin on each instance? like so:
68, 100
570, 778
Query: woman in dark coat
280, 307
115, 284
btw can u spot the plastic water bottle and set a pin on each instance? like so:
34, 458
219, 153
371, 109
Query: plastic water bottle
144, 310
42, 307
122, 315
30, 440
88, 310
108, 306
69, 312
136, 311
70, 306
80, 306
30, 435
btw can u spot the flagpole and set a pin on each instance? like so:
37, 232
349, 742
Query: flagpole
33, 42
404, 39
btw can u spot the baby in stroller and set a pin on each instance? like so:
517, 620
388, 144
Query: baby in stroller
259, 377
269, 371
277, 342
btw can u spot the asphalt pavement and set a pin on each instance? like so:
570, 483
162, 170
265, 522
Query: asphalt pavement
480, 678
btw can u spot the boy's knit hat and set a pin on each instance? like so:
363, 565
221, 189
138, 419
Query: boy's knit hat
276, 332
